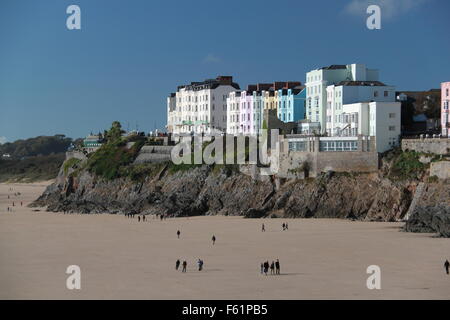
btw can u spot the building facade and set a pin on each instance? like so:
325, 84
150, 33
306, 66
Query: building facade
318, 80
172, 114
200, 107
233, 112
381, 120
291, 104
92, 143
246, 113
349, 92
445, 106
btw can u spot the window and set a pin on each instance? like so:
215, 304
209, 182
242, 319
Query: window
297, 146
338, 145
391, 115
446, 92
391, 128
386, 94
375, 94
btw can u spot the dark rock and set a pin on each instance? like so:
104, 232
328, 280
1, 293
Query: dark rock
430, 219
203, 191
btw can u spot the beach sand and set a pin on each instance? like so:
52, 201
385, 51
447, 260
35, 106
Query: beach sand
121, 258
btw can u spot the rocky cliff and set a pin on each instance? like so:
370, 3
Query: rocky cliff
212, 190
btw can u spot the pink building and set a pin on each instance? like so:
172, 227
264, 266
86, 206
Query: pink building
445, 99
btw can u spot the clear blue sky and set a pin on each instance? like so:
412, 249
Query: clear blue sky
131, 54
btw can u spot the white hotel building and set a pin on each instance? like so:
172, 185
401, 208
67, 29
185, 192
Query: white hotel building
318, 80
348, 100
200, 107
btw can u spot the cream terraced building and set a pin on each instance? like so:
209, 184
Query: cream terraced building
200, 107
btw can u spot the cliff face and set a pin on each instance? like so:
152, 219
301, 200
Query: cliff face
206, 190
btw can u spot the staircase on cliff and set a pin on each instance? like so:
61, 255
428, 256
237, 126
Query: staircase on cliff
416, 198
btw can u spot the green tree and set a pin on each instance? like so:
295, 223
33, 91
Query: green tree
115, 133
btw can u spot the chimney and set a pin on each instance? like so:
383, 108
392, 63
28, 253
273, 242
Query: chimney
225, 80
263, 86
292, 84
251, 88
278, 85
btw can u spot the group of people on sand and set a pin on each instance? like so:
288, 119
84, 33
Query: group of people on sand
213, 239
16, 194
131, 215
162, 216
284, 226
184, 269
199, 261
274, 267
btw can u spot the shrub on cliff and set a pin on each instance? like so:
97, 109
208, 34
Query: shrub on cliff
107, 161
139, 172
72, 162
406, 165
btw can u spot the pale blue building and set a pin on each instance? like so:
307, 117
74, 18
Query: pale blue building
291, 104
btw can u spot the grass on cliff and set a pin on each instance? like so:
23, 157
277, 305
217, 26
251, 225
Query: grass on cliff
71, 163
406, 165
139, 172
108, 161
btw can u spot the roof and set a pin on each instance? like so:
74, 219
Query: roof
211, 84
334, 67
362, 83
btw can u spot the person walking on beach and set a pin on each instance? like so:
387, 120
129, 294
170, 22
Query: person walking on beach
262, 268
178, 234
177, 264
139, 218
200, 264
272, 268
263, 228
184, 266
277, 267
284, 226
213, 239
266, 267
143, 218
447, 266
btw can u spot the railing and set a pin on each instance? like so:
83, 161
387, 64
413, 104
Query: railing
425, 136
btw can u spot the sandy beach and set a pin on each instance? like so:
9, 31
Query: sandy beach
122, 258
